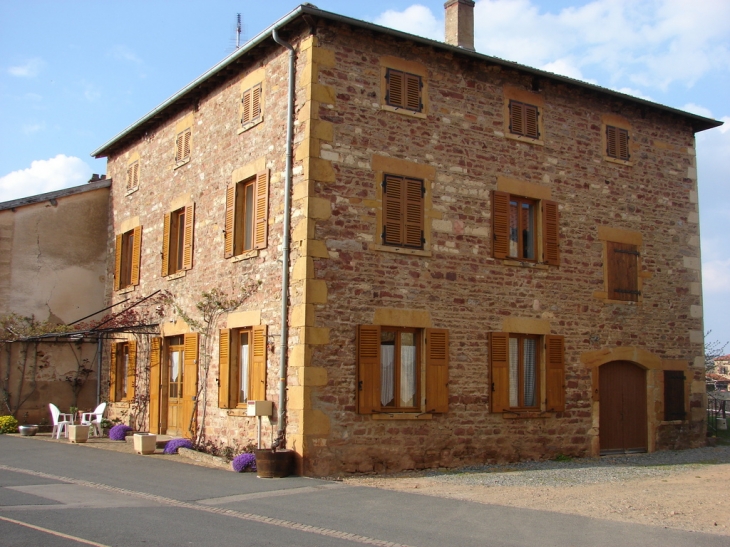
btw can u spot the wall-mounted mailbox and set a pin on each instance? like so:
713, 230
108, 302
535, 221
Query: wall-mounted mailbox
260, 408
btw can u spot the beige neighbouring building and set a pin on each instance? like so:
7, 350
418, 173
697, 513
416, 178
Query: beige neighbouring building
52, 268
488, 262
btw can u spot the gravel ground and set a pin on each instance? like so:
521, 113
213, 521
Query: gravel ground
676, 489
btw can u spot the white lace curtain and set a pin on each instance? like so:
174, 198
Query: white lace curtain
407, 375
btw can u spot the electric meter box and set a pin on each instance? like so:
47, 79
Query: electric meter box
259, 408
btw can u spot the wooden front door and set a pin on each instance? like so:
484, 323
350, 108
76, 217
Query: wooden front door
175, 371
622, 407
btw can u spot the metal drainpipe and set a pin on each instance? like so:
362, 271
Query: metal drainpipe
286, 242
99, 346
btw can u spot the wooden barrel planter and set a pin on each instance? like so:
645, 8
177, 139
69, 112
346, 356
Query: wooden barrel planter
272, 464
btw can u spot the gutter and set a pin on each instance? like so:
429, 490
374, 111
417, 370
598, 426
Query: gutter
286, 242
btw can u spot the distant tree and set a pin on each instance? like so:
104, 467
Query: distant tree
713, 350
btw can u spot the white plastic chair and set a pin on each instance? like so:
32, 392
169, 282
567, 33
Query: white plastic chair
94, 419
61, 421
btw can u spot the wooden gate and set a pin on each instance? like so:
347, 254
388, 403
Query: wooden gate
622, 407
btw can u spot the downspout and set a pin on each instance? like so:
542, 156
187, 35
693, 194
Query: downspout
99, 346
286, 241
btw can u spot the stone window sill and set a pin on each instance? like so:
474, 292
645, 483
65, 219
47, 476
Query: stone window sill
126, 290
176, 275
131, 191
618, 161
402, 416
522, 138
403, 111
400, 250
180, 163
250, 125
238, 413
526, 414
246, 255
524, 264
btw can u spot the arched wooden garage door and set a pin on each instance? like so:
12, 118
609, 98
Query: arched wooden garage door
622, 420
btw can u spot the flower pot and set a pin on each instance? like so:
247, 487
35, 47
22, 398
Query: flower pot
78, 433
145, 443
274, 465
28, 430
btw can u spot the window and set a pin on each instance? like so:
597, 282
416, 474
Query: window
182, 146
403, 90
177, 244
518, 369
515, 222
617, 143
133, 176
403, 211
122, 370
127, 258
523, 119
242, 366
390, 372
622, 270
246, 222
251, 105
674, 395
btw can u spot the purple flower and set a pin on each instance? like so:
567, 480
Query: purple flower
173, 444
119, 432
243, 462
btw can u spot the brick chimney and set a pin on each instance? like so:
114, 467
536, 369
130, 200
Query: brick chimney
460, 23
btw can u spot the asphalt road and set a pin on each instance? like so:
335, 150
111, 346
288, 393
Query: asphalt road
57, 494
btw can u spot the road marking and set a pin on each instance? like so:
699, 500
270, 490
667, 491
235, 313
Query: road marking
53, 532
270, 494
355, 538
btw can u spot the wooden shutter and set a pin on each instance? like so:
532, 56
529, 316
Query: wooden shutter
500, 224
229, 237
155, 381
551, 232
224, 368
113, 373
257, 385
413, 213
187, 262
256, 102
622, 135
396, 91
531, 126
413, 92
261, 206
623, 274
499, 370
516, 118
246, 100
179, 147
393, 207
555, 373
190, 384
136, 255
674, 395
118, 262
131, 370
186, 143
437, 370
166, 245
368, 369
130, 177
135, 175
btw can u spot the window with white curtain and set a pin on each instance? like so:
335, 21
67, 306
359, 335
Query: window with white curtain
399, 368
523, 371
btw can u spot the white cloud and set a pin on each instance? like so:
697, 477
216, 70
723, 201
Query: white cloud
565, 67
44, 176
30, 128
30, 69
697, 109
634, 93
416, 19
124, 53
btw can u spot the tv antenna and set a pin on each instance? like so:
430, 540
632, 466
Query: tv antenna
238, 30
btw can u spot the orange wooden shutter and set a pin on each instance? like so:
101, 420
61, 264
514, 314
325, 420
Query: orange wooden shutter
261, 204
413, 92
413, 217
166, 245
551, 232
188, 237
113, 373
611, 142
155, 381
136, 255
224, 368
246, 116
393, 210
256, 102
186, 143
135, 175
437, 370
190, 384
257, 386
500, 224
130, 177
396, 91
622, 136
368, 369
623, 271
499, 370
229, 238
531, 126
131, 370
118, 263
555, 373
179, 148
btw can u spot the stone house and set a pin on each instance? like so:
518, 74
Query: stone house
480, 261
53, 272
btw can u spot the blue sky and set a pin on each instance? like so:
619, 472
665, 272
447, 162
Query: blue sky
75, 73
